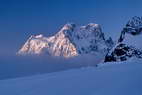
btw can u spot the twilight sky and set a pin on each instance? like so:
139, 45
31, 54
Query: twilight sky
21, 18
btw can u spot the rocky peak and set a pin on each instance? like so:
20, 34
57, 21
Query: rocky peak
70, 41
133, 27
66, 31
68, 26
128, 45
90, 39
91, 30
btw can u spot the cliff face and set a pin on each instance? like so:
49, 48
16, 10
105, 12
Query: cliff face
129, 44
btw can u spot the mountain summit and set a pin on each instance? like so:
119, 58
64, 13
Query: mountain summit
69, 41
128, 45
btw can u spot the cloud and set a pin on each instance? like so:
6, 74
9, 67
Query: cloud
21, 66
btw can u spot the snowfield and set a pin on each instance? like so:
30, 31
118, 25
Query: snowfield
106, 79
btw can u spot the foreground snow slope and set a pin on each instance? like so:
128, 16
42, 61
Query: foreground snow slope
110, 79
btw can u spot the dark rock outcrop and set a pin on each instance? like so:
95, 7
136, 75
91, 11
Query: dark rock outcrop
123, 51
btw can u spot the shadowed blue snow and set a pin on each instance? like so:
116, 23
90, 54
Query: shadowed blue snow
110, 79
19, 66
21, 18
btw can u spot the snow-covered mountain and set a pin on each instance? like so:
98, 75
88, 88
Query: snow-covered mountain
69, 41
129, 44
89, 39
